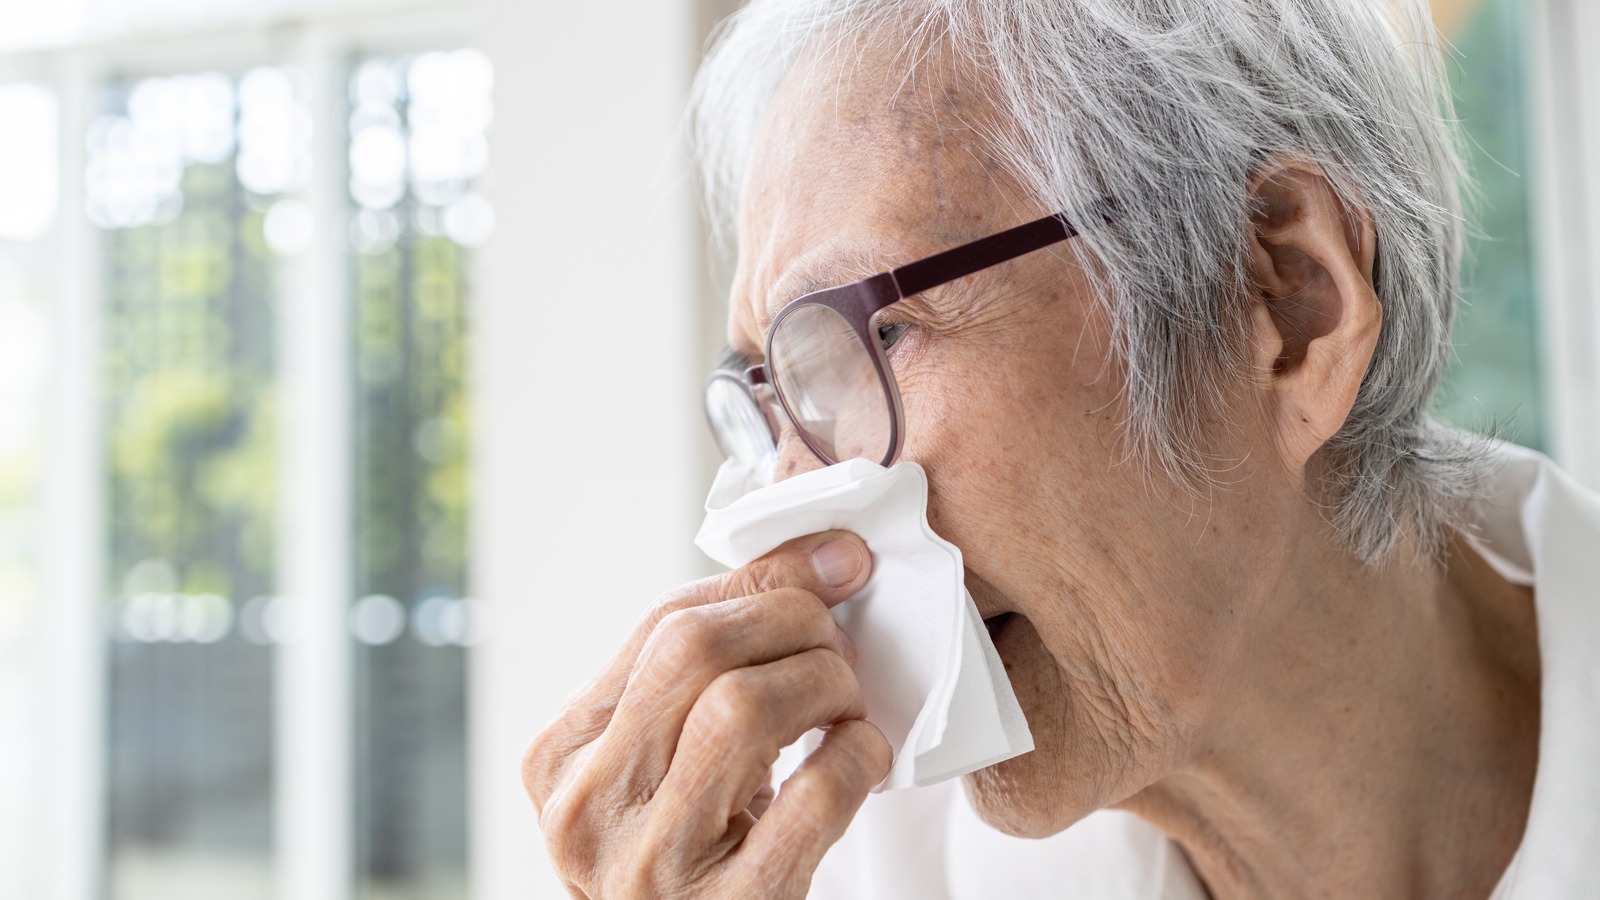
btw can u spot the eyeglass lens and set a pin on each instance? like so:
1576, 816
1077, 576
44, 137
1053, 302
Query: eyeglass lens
830, 385
736, 421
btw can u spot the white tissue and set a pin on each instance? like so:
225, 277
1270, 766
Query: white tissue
933, 683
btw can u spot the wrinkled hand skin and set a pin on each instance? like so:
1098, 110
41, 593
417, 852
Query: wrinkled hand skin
655, 779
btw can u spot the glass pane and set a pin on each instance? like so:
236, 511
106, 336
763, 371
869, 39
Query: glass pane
28, 184
1494, 377
830, 384
737, 423
418, 146
185, 177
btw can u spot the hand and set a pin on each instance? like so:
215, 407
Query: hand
655, 780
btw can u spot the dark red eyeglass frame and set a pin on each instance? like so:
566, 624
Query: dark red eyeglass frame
858, 301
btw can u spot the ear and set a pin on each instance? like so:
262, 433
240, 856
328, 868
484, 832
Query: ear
1315, 316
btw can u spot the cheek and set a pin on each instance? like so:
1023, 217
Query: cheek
1125, 637
1021, 457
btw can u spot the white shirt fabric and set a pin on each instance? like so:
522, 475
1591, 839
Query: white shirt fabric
1539, 528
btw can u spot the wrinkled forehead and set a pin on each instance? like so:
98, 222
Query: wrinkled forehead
866, 156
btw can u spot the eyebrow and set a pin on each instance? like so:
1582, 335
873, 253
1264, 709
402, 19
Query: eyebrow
835, 269
732, 359
792, 285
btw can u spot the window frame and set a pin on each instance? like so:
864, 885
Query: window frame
314, 801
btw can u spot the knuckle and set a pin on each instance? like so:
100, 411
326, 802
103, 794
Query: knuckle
795, 608
539, 765
833, 671
868, 747
818, 801
586, 718
549, 751
783, 567
833, 682
565, 823
684, 641
734, 704
686, 597
747, 581
798, 599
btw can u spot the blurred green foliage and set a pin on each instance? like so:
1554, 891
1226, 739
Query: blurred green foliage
412, 502
192, 442
410, 321
1493, 381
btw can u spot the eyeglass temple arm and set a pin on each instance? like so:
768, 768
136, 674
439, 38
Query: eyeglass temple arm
966, 259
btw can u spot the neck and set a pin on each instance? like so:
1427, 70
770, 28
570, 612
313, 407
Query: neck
1380, 742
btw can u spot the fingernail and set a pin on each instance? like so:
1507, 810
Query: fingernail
847, 647
838, 561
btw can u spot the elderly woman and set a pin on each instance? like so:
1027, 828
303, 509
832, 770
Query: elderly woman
1245, 589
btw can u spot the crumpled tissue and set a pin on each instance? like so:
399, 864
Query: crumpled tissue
932, 680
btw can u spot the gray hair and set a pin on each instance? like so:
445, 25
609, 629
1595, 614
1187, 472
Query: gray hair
1169, 106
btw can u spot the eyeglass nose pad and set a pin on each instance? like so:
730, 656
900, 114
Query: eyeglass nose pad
771, 410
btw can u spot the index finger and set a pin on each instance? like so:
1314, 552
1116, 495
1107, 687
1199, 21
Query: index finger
833, 565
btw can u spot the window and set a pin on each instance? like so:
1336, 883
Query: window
1494, 380
199, 202
418, 144
186, 178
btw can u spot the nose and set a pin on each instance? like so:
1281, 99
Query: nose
794, 457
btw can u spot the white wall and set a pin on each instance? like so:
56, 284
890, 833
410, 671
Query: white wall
589, 337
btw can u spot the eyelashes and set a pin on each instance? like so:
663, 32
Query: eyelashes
890, 333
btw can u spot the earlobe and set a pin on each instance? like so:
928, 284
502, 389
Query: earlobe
1315, 316
1327, 384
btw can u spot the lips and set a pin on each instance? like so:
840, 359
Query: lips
995, 624
987, 598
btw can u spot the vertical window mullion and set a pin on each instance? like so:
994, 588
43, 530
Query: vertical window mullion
74, 505
313, 815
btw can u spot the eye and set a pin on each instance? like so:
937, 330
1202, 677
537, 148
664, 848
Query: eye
889, 334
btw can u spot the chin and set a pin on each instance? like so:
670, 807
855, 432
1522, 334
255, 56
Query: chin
1005, 798
1040, 793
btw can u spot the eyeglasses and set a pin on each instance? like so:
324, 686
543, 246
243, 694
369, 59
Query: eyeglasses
827, 369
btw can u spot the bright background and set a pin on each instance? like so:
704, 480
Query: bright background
349, 369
